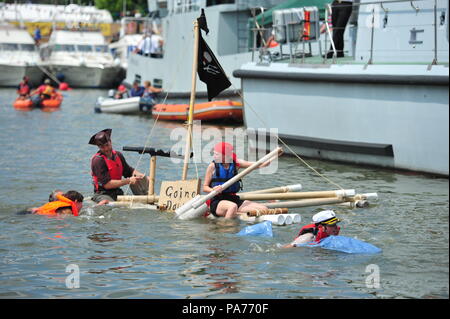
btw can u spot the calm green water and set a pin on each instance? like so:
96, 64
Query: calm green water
124, 253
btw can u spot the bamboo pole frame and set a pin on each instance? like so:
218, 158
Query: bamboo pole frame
192, 102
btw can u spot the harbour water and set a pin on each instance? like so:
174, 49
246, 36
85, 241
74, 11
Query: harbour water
135, 253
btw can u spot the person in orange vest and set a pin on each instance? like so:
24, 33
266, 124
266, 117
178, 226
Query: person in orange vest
68, 203
23, 89
324, 225
43, 92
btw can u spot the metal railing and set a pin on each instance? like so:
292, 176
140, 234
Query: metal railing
372, 26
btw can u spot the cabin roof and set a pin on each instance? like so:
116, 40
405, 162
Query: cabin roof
77, 37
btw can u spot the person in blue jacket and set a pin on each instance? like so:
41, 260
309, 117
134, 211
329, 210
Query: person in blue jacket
137, 90
224, 167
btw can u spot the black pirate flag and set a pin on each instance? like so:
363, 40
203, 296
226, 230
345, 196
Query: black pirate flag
209, 70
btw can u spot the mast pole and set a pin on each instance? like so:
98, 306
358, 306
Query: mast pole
192, 101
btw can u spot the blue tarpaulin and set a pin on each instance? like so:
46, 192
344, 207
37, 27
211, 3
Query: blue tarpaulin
262, 229
345, 244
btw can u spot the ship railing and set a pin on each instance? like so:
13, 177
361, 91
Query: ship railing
414, 7
268, 56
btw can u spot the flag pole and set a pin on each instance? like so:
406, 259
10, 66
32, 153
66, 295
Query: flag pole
191, 103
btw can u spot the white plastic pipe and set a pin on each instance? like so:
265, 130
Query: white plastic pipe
287, 219
275, 219
296, 218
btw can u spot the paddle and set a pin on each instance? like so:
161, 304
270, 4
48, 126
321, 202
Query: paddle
197, 207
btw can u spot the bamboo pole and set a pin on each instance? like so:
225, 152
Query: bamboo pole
151, 179
298, 195
260, 212
307, 202
191, 103
146, 199
281, 189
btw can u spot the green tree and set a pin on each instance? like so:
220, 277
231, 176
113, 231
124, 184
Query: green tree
115, 7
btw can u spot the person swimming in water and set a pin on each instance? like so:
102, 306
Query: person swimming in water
70, 202
324, 225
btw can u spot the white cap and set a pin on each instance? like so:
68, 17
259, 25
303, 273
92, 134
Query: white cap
327, 217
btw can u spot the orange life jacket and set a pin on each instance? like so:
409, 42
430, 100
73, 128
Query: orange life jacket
48, 90
307, 26
51, 207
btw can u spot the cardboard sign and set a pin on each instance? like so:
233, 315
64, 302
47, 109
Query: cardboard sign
174, 194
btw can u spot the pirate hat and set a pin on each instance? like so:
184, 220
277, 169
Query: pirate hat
101, 138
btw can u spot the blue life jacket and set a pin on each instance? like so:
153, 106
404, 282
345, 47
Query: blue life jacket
221, 175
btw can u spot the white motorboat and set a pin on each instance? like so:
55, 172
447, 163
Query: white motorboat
384, 104
81, 58
18, 57
118, 106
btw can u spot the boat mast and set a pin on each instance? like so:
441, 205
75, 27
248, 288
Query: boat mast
192, 101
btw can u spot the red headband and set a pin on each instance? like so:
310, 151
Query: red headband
225, 149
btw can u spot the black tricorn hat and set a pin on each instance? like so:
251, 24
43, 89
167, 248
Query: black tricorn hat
101, 138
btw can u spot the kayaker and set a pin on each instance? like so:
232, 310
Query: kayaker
43, 92
23, 89
107, 169
324, 225
68, 203
225, 165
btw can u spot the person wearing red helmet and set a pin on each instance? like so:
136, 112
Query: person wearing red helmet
225, 165
122, 92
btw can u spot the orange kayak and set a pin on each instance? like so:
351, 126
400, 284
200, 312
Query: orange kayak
24, 105
209, 111
47, 105
54, 102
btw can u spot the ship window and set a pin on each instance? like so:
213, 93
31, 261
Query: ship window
10, 46
215, 2
28, 47
84, 48
101, 48
64, 47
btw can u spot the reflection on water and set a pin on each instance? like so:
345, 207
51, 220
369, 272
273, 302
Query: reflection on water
136, 253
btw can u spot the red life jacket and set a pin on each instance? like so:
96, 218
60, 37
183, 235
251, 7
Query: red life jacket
115, 168
316, 230
24, 88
